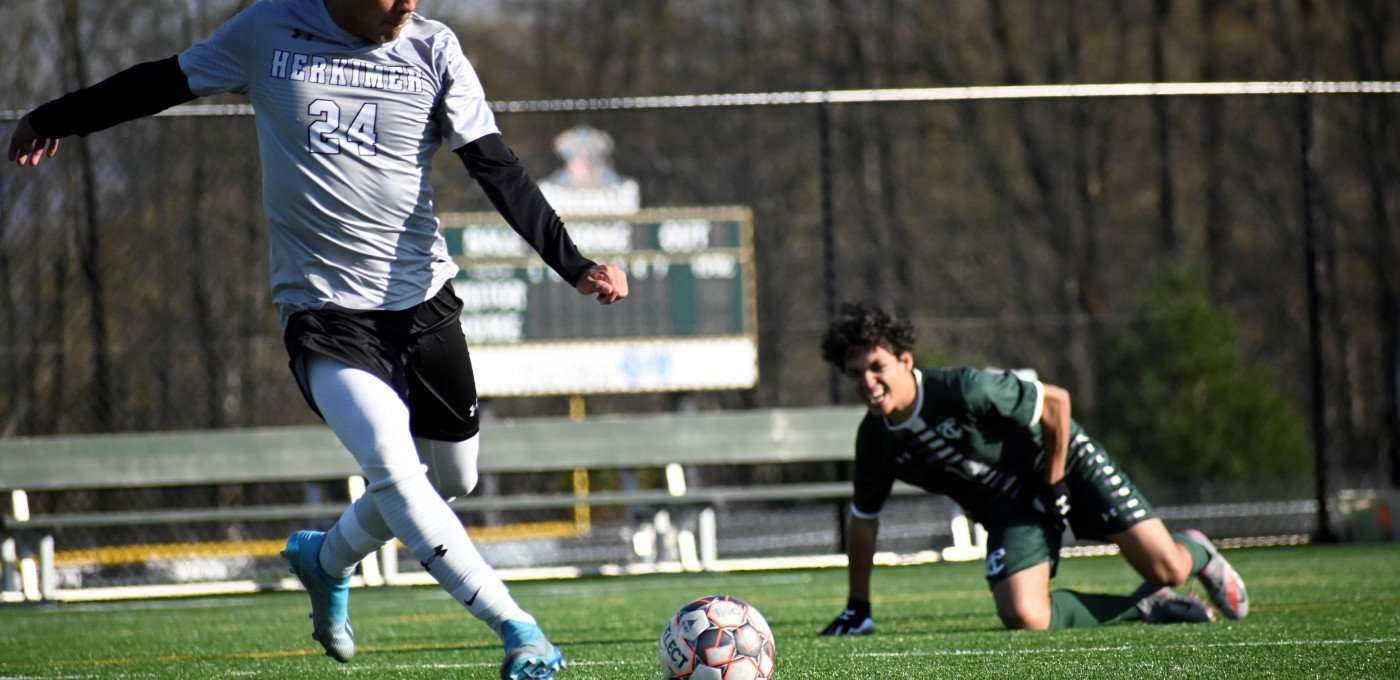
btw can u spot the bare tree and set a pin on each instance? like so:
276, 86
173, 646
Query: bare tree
1161, 114
1369, 26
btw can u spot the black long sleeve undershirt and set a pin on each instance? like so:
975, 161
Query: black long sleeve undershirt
152, 87
519, 200
139, 91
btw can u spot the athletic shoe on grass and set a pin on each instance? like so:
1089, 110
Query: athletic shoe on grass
1168, 606
1221, 581
330, 597
528, 653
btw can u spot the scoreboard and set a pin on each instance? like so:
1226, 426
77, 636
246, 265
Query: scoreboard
689, 322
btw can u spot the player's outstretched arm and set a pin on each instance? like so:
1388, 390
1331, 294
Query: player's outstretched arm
606, 281
28, 147
860, 553
136, 92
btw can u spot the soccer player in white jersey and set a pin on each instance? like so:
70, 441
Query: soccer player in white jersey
352, 99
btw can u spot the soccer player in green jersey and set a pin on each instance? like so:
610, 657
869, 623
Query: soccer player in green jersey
1007, 451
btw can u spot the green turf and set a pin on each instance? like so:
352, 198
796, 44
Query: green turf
1316, 611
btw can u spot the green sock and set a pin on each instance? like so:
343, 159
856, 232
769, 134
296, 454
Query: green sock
1199, 555
1070, 609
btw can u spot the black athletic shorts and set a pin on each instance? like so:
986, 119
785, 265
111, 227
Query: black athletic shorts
421, 352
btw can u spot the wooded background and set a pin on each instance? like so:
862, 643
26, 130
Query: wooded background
1148, 253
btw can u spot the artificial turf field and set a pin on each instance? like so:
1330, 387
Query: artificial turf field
1316, 612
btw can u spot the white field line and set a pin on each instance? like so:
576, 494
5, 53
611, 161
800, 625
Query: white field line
1126, 647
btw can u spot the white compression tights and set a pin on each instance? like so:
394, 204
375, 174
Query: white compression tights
372, 421
361, 530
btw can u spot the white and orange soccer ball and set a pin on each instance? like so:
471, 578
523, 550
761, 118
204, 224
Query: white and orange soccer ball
717, 638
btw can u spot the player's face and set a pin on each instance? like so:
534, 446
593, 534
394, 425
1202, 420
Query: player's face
376, 20
883, 381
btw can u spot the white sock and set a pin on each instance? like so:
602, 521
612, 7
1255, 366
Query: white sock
359, 533
438, 540
370, 419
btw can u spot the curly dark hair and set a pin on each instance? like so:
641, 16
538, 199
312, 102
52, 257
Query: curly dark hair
860, 327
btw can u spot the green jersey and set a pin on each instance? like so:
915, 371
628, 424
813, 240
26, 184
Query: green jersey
974, 436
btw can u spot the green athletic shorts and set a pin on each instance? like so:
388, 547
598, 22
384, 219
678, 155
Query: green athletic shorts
1103, 502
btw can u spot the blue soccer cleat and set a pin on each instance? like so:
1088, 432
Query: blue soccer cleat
528, 653
330, 597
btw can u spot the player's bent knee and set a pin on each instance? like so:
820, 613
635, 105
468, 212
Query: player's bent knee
451, 465
457, 486
1025, 619
1155, 554
386, 478
1176, 574
1169, 570
1024, 615
1023, 598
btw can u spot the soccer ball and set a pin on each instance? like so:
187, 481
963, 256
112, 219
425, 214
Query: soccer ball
717, 638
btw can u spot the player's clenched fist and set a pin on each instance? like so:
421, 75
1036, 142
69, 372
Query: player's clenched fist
605, 281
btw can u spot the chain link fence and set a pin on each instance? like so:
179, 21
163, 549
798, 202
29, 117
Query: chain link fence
1013, 232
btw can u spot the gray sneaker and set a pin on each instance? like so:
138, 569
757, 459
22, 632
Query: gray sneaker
1168, 606
1221, 581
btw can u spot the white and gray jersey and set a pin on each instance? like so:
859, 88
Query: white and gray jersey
347, 129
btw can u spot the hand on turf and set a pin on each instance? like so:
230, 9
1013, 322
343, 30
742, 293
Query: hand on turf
1055, 498
854, 621
605, 280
